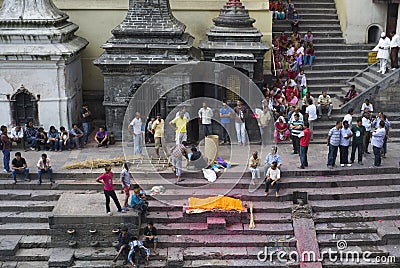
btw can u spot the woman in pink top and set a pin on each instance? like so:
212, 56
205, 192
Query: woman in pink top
107, 180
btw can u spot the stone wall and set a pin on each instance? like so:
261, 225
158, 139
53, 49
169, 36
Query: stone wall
388, 99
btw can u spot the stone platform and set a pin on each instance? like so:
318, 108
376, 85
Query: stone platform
87, 224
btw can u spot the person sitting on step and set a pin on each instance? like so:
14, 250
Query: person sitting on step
101, 137
41, 138
17, 136
272, 179
18, 166
137, 252
150, 236
324, 103
351, 94
138, 200
124, 238
254, 166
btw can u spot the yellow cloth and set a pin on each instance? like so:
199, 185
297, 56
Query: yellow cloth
216, 202
180, 124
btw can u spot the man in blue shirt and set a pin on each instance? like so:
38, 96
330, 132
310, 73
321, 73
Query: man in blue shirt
225, 113
377, 140
333, 143
345, 135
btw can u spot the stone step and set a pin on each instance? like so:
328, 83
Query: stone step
336, 66
329, 21
172, 216
109, 263
25, 206
225, 240
319, 35
352, 239
201, 229
320, 4
24, 229
341, 47
345, 227
340, 60
305, 11
356, 204
29, 254
318, 15
35, 241
217, 263
330, 73
362, 82
9, 245
318, 80
322, 39
321, 27
357, 215
333, 53
311, 1
25, 264
371, 77
375, 250
24, 217
30, 195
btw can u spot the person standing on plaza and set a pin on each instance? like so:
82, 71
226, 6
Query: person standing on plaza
345, 138
254, 166
19, 166
366, 122
205, 115
135, 127
125, 179
263, 118
358, 137
86, 117
305, 137
311, 112
177, 152
107, 180
295, 128
333, 142
158, 130
377, 143
6, 148
44, 166
240, 122
383, 52
394, 50
179, 124
185, 113
225, 113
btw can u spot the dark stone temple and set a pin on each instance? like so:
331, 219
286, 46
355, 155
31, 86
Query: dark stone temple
149, 40
234, 41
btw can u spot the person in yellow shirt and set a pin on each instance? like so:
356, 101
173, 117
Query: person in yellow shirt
179, 124
158, 131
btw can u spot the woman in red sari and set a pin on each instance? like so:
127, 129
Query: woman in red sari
281, 132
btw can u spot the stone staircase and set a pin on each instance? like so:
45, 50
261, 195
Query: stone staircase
360, 209
336, 63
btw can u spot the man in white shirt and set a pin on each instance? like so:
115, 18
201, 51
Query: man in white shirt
185, 113
17, 135
394, 50
349, 116
136, 128
366, 122
205, 115
383, 52
324, 103
367, 107
311, 112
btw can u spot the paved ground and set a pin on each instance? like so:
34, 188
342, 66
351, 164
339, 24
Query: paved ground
317, 156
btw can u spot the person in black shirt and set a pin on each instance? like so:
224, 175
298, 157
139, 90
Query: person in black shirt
18, 166
86, 116
124, 238
150, 236
197, 159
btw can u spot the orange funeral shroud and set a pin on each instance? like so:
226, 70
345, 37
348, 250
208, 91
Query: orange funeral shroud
215, 203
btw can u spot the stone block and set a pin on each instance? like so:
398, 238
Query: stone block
216, 223
61, 257
9, 245
175, 257
87, 225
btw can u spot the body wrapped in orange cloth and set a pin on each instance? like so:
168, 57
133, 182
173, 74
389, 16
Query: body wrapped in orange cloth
224, 203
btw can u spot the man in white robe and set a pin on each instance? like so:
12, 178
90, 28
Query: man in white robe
383, 52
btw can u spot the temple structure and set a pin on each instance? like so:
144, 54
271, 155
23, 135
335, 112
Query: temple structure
149, 40
40, 64
234, 41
